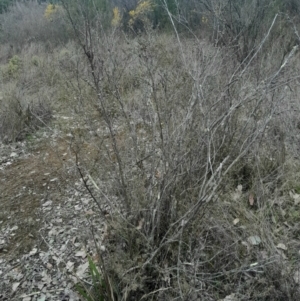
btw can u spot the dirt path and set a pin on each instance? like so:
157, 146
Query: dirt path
43, 222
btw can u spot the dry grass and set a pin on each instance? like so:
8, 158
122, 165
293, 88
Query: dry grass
172, 119
193, 154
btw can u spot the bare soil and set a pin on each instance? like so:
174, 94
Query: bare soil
44, 216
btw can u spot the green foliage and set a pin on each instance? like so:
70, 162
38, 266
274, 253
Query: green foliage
239, 23
99, 291
236, 17
88, 10
161, 17
11, 70
297, 189
291, 7
15, 63
4, 4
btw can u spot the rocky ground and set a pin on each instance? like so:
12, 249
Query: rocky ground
45, 217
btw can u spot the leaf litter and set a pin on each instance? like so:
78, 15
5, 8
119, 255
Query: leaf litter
42, 258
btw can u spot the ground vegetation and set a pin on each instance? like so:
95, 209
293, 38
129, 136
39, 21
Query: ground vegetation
149, 150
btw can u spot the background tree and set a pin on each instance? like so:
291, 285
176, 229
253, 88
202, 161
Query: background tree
4, 4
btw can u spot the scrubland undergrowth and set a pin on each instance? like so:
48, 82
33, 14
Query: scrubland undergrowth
192, 161
195, 159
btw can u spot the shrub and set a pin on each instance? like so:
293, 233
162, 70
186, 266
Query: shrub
25, 22
190, 142
140, 12
30, 82
13, 68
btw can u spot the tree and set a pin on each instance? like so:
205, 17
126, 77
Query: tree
4, 4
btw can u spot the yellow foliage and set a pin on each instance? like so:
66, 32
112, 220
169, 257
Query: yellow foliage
50, 10
143, 8
204, 19
116, 17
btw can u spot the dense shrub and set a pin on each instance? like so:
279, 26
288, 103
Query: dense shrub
190, 143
